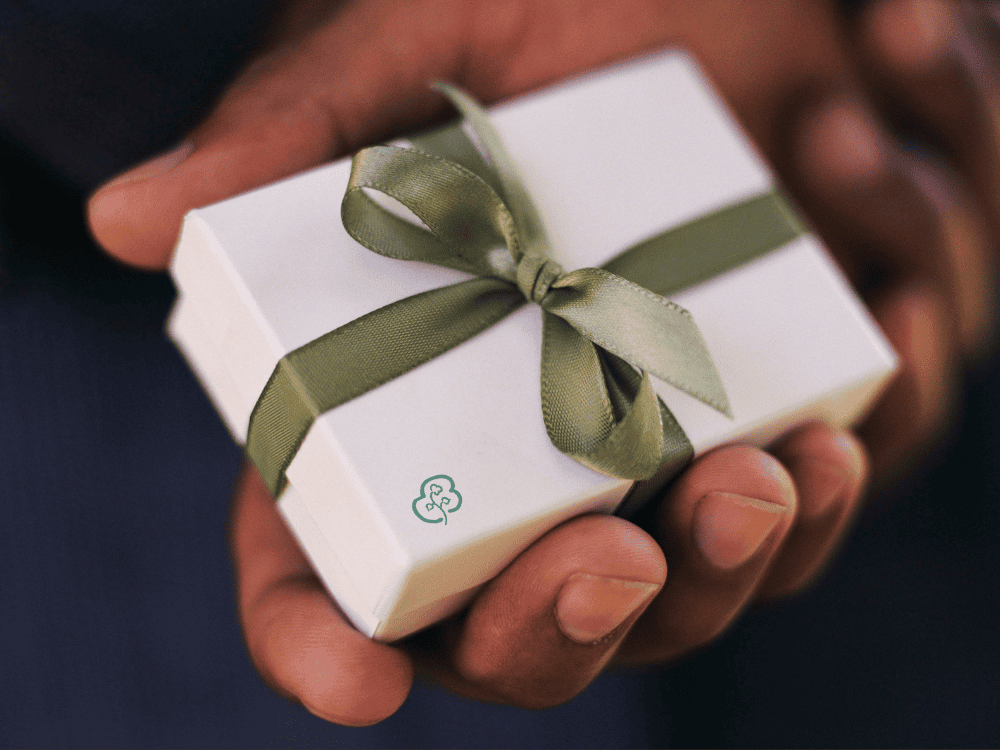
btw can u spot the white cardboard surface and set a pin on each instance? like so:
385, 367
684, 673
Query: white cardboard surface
610, 159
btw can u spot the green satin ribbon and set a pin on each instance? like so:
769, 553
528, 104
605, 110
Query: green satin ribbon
599, 324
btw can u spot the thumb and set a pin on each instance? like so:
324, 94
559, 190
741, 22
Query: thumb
338, 87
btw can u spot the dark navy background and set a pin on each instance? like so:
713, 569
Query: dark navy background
117, 621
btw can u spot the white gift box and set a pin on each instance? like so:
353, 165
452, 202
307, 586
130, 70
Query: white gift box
610, 159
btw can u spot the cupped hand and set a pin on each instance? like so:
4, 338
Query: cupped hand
915, 232
739, 523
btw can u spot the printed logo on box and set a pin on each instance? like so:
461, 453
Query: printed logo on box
438, 498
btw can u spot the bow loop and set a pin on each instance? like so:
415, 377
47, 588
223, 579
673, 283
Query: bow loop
599, 324
464, 220
590, 314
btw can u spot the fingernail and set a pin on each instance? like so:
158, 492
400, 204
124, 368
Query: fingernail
589, 607
155, 166
820, 485
967, 244
845, 144
933, 26
729, 529
914, 34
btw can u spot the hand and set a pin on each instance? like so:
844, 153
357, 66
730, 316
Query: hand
740, 523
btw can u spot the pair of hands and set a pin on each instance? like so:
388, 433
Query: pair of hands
915, 233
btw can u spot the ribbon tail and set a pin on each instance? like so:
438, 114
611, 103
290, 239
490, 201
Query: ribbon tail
362, 355
650, 332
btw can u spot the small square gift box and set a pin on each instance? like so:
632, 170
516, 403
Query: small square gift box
536, 313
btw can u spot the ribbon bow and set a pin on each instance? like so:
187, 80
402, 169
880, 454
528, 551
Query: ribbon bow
597, 325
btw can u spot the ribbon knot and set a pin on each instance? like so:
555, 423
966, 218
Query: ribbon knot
602, 336
535, 275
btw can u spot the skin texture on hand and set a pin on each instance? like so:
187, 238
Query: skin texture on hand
915, 233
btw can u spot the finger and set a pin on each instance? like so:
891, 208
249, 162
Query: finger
970, 258
828, 467
722, 524
545, 627
297, 638
892, 216
359, 77
920, 400
291, 110
931, 64
851, 179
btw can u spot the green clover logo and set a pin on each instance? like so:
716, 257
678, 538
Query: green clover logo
438, 498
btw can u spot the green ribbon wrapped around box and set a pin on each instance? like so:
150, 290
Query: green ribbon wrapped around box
599, 324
